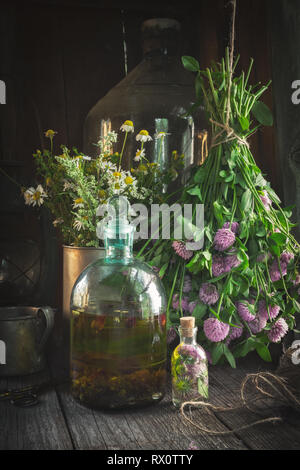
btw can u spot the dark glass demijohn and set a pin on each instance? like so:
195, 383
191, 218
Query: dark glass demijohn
155, 96
118, 324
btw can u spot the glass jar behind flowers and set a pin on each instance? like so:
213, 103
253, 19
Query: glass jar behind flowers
189, 366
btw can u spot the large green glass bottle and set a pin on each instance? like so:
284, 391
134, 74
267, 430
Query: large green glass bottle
118, 324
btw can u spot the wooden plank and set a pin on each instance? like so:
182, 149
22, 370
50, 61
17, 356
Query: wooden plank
283, 436
156, 427
40, 427
47, 426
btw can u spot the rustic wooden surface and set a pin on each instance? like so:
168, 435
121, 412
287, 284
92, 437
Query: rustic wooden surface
59, 422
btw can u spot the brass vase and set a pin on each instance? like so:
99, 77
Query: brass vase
75, 260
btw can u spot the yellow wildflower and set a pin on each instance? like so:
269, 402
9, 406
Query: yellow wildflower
128, 180
50, 133
78, 202
117, 174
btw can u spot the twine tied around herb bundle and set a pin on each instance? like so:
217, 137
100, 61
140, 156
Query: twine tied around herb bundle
283, 387
230, 133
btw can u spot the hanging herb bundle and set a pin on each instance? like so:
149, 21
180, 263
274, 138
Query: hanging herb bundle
242, 286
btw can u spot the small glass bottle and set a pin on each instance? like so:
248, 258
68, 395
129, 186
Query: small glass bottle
118, 324
189, 366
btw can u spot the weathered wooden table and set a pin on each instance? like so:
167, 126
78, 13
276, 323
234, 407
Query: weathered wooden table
58, 422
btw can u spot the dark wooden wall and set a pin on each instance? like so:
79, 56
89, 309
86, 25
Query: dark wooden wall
284, 17
59, 57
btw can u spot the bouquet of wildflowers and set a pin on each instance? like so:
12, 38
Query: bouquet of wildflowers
72, 185
243, 286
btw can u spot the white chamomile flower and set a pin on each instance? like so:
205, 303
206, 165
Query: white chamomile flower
78, 203
139, 155
78, 225
38, 195
161, 135
143, 136
58, 221
127, 126
28, 196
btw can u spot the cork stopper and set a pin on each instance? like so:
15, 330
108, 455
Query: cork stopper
187, 324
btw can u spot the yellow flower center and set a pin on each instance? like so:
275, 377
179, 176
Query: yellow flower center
117, 174
48, 181
102, 193
128, 180
50, 133
144, 132
117, 186
128, 123
79, 200
36, 196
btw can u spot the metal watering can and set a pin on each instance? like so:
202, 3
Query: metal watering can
24, 332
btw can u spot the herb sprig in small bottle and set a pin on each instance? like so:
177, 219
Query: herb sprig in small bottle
189, 366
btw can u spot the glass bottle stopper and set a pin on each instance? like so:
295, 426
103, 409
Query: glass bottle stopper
118, 210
